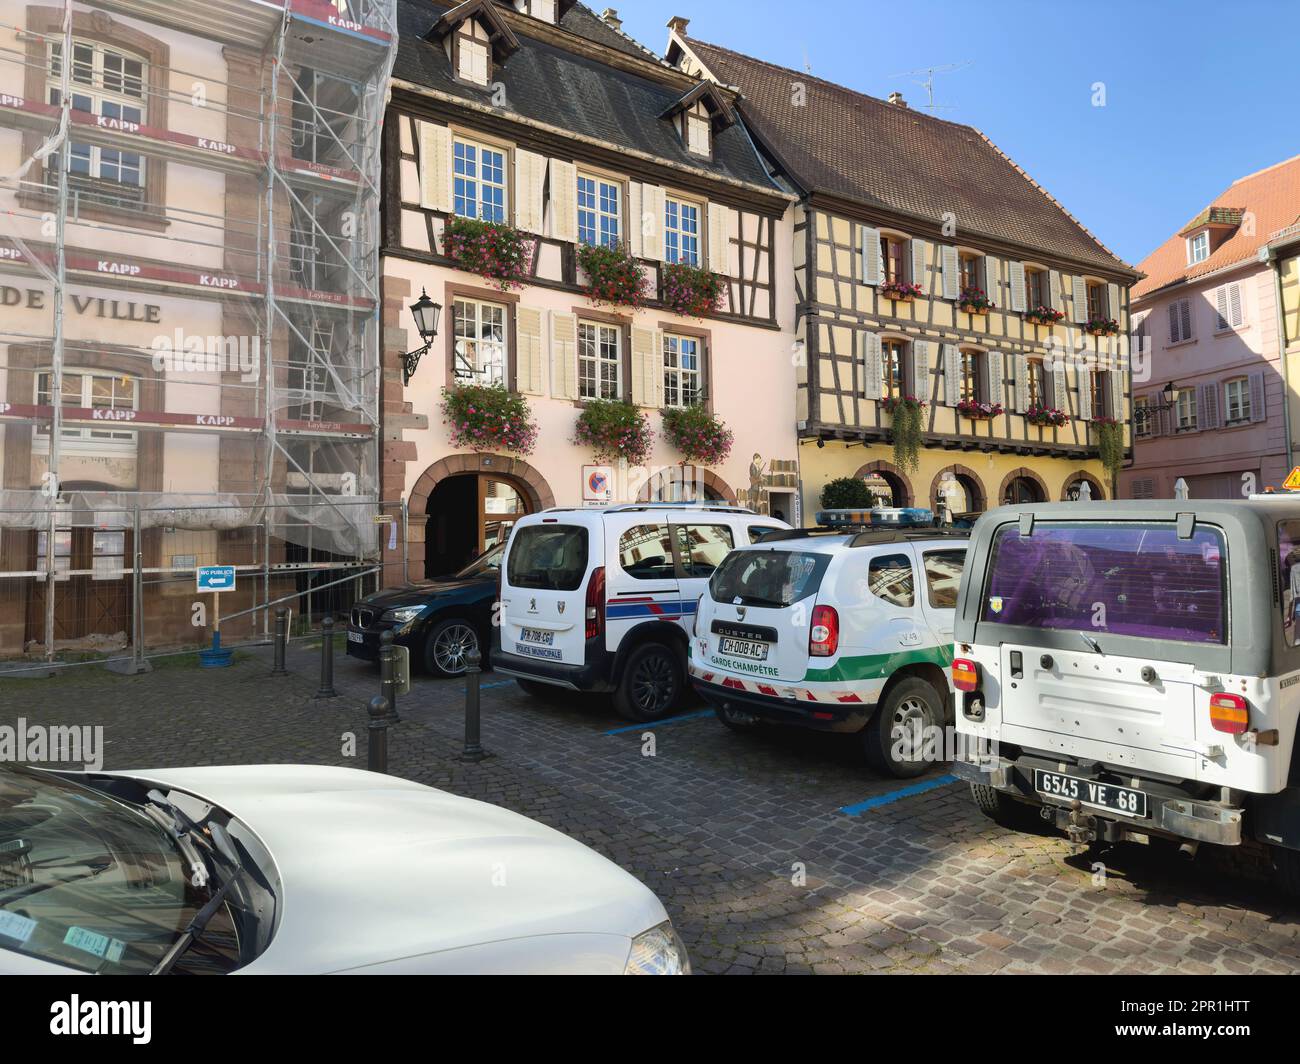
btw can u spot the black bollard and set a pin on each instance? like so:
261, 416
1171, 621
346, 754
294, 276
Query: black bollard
281, 639
388, 672
377, 734
327, 659
473, 745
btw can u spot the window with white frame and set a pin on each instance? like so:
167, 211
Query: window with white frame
599, 210
1185, 409
109, 84
1236, 400
1180, 321
1227, 307
681, 231
681, 370
1142, 416
479, 344
94, 390
480, 173
600, 361
1198, 248
699, 127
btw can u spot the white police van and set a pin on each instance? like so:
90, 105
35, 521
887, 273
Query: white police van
602, 599
845, 628
1131, 670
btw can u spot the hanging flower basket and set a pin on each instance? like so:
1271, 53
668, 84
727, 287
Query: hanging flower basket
974, 300
614, 430
487, 417
900, 291
495, 251
702, 438
690, 290
1047, 416
1110, 444
1101, 327
613, 275
978, 411
1044, 316
906, 430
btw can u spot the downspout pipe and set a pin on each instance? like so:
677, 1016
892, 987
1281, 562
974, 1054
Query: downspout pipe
1270, 254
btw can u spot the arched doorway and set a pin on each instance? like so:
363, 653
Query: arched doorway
686, 484
1023, 486
470, 513
887, 484
960, 489
1070, 490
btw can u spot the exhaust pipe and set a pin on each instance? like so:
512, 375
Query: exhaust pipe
1188, 850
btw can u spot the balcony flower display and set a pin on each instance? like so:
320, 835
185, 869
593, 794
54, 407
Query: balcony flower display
1101, 327
1047, 416
613, 275
977, 411
487, 417
1110, 444
974, 300
905, 412
690, 290
900, 291
495, 251
701, 437
1041, 315
614, 430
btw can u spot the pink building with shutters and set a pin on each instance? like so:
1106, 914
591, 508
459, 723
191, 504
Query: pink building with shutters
1209, 384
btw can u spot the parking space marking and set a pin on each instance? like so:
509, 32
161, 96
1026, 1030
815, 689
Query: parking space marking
652, 725
501, 683
902, 792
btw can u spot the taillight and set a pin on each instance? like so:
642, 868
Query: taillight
824, 636
1229, 713
596, 603
965, 674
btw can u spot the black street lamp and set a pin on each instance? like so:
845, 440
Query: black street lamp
425, 312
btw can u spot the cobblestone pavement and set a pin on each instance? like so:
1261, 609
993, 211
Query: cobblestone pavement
721, 825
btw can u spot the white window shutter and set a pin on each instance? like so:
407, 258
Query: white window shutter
720, 239
870, 365
919, 249
997, 373
528, 350
870, 267
951, 273
564, 355
530, 181
1054, 289
1018, 286
647, 365
951, 374
1021, 400
652, 222
1080, 315
435, 167
1060, 398
564, 201
1081, 371
1113, 308
993, 279
921, 370
1116, 379
632, 224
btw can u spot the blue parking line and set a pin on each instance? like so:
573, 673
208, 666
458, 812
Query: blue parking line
500, 683
902, 792
652, 725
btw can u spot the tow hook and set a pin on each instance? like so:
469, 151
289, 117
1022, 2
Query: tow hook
1081, 828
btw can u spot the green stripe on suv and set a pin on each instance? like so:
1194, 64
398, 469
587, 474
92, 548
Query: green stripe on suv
878, 666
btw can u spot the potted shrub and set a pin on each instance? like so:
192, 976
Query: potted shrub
1047, 416
487, 417
974, 300
701, 437
900, 291
847, 493
613, 275
977, 411
495, 251
905, 414
1101, 327
614, 430
1041, 315
690, 290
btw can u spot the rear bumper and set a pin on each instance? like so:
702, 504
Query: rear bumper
594, 674
1170, 811
774, 709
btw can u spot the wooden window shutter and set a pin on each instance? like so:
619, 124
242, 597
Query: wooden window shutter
652, 222
530, 183
564, 355
528, 350
1185, 317
1112, 301
1115, 380
1054, 288
1060, 397
647, 367
951, 374
1083, 373
634, 224
993, 279
1221, 306
435, 167
1017, 286
1234, 306
1258, 411
951, 272
919, 249
1175, 324
720, 239
996, 367
1021, 400
920, 383
1207, 406
564, 201
870, 267
1080, 301
870, 365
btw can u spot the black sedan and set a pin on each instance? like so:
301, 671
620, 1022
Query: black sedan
439, 622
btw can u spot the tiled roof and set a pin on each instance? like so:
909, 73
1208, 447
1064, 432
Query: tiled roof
884, 155
1269, 200
574, 92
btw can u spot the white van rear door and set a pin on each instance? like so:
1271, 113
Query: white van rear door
543, 593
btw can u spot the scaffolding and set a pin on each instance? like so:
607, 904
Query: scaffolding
189, 305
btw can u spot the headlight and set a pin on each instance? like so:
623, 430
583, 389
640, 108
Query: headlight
406, 614
658, 952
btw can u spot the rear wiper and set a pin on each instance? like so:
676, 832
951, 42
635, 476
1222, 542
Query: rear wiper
1092, 643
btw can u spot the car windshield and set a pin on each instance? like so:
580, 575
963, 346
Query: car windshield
487, 562
1118, 578
90, 882
768, 577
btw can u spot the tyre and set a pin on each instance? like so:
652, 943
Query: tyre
908, 712
1005, 811
651, 684
546, 692
446, 647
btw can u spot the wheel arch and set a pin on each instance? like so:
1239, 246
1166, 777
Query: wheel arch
931, 674
649, 632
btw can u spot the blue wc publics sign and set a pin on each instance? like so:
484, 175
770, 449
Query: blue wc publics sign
215, 577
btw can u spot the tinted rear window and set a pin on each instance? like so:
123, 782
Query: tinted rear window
768, 577
548, 557
1132, 578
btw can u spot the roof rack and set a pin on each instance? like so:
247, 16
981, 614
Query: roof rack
870, 538
641, 507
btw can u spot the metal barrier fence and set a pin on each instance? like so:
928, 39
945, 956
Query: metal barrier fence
93, 579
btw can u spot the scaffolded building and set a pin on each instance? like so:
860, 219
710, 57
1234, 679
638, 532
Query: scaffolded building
189, 316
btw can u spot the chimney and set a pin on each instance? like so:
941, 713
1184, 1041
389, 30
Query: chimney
897, 99
678, 24
610, 17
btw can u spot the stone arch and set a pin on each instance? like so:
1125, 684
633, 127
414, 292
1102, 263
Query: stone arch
981, 499
1098, 491
711, 481
888, 470
1023, 471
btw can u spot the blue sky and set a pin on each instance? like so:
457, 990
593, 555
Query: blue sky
1197, 94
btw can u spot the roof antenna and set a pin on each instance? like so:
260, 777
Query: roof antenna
928, 82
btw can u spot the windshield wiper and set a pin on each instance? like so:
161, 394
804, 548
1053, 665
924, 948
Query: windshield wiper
184, 839
225, 850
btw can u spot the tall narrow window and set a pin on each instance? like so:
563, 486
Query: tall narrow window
1037, 289
479, 348
1142, 416
1101, 397
1227, 307
480, 173
1198, 248
598, 210
1097, 303
698, 130
1038, 395
971, 270
972, 383
1180, 321
891, 367
681, 370
682, 232
1236, 400
893, 252
1185, 408
600, 361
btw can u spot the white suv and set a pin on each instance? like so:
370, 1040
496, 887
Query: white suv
602, 599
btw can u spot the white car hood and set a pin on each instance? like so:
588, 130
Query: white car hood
375, 869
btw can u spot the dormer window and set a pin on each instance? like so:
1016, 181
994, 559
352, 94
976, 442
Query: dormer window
697, 115
542, 9
472, 63
698, 131
476, 39
1198, 247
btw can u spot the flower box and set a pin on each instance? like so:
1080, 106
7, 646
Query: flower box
495, 251
1047, 417
690, 290
613, 275
1044, 316
487, 417
974, 300
977, 411
702, 438
1101, 327
900, 291
614, 430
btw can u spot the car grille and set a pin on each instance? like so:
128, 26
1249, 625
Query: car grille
362, 618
